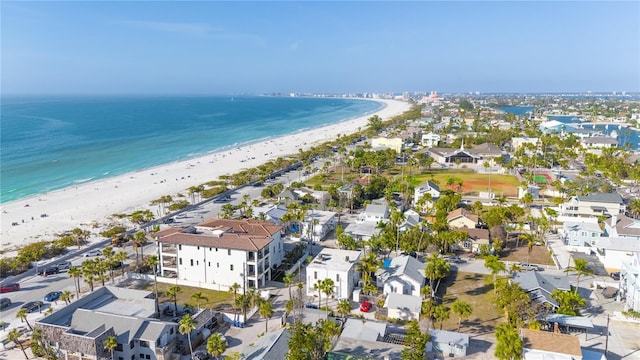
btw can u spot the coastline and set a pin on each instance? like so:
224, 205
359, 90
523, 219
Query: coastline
93, 202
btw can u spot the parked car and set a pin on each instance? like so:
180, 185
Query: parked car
222, 199
5, 303
95, 252
615, 275
65, 265
530, 267
9, 287
365, 306
311, 306
48, 270
201, 355
53, 296
32, 306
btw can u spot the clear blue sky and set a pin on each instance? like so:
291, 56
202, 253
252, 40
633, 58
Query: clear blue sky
255, 47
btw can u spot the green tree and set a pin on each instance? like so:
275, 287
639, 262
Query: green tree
22, 315
198, 297
581, 268
172, 292
139, 239
76, 274
308, 342
186, 325
152, 262
569, 302
462, 309
415, 343
110, 343
509, 345
441, 313
14, 336
495, 266
344, 307
266, 311
216, 345
436, 269
66, 296
121, 256
327, 287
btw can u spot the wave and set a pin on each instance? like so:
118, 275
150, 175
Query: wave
105, 173
80, 181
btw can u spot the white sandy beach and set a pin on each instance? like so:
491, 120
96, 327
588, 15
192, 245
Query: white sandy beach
94, 202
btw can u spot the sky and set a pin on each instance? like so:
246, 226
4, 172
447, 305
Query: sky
166, 47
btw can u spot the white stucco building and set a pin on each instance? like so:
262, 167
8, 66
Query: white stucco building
337, 265
594, 204
630, 282
219, 252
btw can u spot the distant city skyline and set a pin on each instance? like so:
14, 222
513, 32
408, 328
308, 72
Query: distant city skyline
319, 47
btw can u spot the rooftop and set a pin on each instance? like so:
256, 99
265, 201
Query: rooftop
551, 342
601, 197
335, 259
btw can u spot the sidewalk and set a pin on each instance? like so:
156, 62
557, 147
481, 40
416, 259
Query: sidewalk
561, 255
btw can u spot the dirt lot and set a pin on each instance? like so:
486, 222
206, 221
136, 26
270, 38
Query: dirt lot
539, 254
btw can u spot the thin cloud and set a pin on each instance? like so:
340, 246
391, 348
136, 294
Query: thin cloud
295, 45
190, 29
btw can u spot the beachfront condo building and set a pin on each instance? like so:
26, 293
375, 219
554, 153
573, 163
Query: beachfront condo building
219, 253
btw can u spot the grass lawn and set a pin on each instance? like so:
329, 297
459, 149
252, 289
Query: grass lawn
472, 182
215, 299
477, 290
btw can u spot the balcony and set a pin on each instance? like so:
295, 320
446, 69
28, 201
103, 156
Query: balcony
169, 250
251, 256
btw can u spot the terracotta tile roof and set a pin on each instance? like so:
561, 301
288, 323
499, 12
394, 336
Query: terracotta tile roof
551, 342
248, 235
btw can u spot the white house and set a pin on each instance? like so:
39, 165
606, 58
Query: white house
622, 226
630, 282
598, 143
582, 234
318, 224
401, 275
431, 139
594, 204
391, 143
614, 252
337, 265
427, 188
374, 213
403, 307
218, 253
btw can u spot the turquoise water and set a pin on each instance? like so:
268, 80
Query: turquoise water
53, 143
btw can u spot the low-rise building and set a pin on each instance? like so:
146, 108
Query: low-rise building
337, 265
475, 239
431, 139
401, 275
581, 234
403, 306
549, 345
630, 283
79, 329
374, 213
448, 343
539, 286
462, 219
220, 252
621, 225
318, 224
428, 187
594, 204
613, 252
365, 339
391, 143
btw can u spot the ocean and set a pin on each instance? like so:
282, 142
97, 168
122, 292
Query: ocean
49, 143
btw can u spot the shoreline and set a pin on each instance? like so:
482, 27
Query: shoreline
93, 202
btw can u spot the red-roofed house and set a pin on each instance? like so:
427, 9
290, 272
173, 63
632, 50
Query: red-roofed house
219, 252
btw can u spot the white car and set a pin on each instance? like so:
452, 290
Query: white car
93, 253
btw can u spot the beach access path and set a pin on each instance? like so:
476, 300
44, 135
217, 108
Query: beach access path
43, 216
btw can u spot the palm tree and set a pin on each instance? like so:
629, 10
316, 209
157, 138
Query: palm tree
441, 313
172, 292
121, 256
462, 309
66, 296
198, 297
216, 345
152, 262
509, 345
14, 336
22, 315
327, 287
344, 307
436, 269
496, 266
266, 311
318, 287
76, 274
139, 239
234, 289
186, 326
531, 240
288, 281
110, 343
580, 267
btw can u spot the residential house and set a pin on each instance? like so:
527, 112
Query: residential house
550, 345
79, 329
220, 252
431, 139
318, 224
287, 196
487, 152
581, 234
475, 238
275, 213
272, 346
621, 225
598, 143
630, 282
362, 231
448, 343
374, 213
337, 265
401, 275
594, 204
614, 252
403, 306
462, 219
430, 188
519, 142
539, 286
453, 156
366, 339
390, 143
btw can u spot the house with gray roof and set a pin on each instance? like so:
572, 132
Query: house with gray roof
592, 205
403, 306
79, 329
374, 213
577, 233
401, 275
539, 286
366, 339
614, 251
622, 226
447, 343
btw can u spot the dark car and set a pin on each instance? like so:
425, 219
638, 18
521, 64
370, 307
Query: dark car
65, 265
53, 296
48, 271
4, 303
9, 287
365, 306
32, 306
615, 275
311, 306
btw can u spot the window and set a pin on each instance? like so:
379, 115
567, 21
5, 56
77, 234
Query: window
147, 356
210, 249
144, 343
120, 358
180, 261
141, 356
198, 248
337, 277
191, 262
119, 347
218, 265
315, 275
197, 262
133, 357
179, 247
209, 264
228, 251
231, 267
131, 345
216, 249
